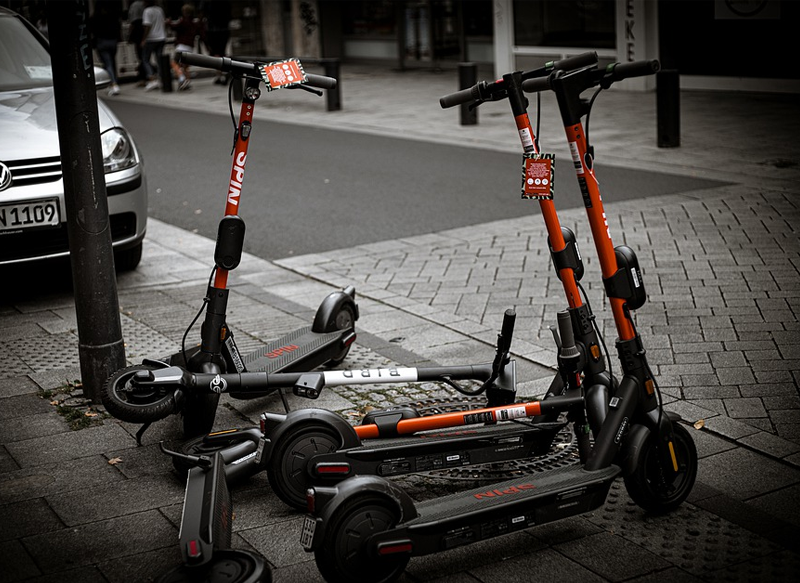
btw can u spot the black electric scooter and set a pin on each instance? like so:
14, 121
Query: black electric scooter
312, 446
326, 342
206, 528
366, 528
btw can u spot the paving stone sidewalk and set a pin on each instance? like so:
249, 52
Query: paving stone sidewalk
721, 328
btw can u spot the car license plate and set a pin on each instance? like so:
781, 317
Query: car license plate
307, 535
24, 215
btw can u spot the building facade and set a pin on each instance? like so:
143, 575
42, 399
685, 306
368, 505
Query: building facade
734, 45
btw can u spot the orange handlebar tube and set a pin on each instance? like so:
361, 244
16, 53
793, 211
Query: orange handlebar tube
567, 276
598, 222
445, 420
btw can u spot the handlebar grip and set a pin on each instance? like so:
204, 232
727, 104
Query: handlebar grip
506, 332
565, 329
576, 61
203, 61
459, 97
536, 85
320, 81
620, 71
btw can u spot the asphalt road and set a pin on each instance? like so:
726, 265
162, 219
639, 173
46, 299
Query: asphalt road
311, 189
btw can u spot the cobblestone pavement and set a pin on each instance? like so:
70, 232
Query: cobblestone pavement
721, 328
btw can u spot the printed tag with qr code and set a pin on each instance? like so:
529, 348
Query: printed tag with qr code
282, 74
538, 172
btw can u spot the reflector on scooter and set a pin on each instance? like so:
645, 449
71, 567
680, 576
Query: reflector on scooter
194, 549
395, 547
339, 469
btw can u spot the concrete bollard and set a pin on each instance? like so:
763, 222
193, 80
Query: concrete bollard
166, 73
467, 77
668, 108
333, 96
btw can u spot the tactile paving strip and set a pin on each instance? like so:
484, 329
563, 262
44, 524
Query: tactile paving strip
695, 540
46, 353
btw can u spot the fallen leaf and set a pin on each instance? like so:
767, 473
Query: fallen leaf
54, 402
700, 424
115, 461
90, 414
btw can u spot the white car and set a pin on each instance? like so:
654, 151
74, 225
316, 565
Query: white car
32, 211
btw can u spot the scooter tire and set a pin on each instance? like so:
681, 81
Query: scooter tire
645, 486
344, 319
286, 468
343, 556
136, 404
226, 566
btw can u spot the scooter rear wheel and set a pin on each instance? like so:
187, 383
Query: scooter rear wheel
647, 487
287, 469
344, 319
134, 403
343, 556
226, 566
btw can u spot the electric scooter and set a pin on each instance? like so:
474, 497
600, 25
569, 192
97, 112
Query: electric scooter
313, 446
206, 529
326, 341
366, 528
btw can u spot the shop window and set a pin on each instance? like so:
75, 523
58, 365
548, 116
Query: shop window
575, 23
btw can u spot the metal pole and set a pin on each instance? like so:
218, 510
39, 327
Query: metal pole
467, 77
668, 108
333, 96
100, 346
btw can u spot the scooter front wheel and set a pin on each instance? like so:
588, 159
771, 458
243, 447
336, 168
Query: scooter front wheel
135, 403
226, 566
287, 470
343, 556
647, 485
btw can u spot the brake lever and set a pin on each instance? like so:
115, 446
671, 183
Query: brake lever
306, 88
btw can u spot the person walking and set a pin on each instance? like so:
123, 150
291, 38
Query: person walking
135, 37
216, 19
104, 26
155, 35
187, 28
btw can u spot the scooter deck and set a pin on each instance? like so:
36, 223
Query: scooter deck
442, 449
504, 507
300, 350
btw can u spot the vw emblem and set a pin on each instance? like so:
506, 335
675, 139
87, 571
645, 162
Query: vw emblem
5, 176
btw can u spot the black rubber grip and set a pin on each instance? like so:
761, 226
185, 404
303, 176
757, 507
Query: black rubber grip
320, 81
622, 71
536, 85
565, 329
576, 62
509, 317
459, 97
223, 64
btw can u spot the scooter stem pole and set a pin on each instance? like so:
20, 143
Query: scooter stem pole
250, 94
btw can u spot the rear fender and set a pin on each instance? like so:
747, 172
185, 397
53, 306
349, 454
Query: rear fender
326, 313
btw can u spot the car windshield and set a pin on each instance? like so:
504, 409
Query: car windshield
24, 61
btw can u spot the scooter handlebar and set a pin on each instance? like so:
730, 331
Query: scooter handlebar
227, 65
620, 71
482, 89
320, 81
537, 85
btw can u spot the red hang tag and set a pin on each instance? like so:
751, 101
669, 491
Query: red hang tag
538, 172
282, 74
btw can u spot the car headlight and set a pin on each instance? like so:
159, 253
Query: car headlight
118, 151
